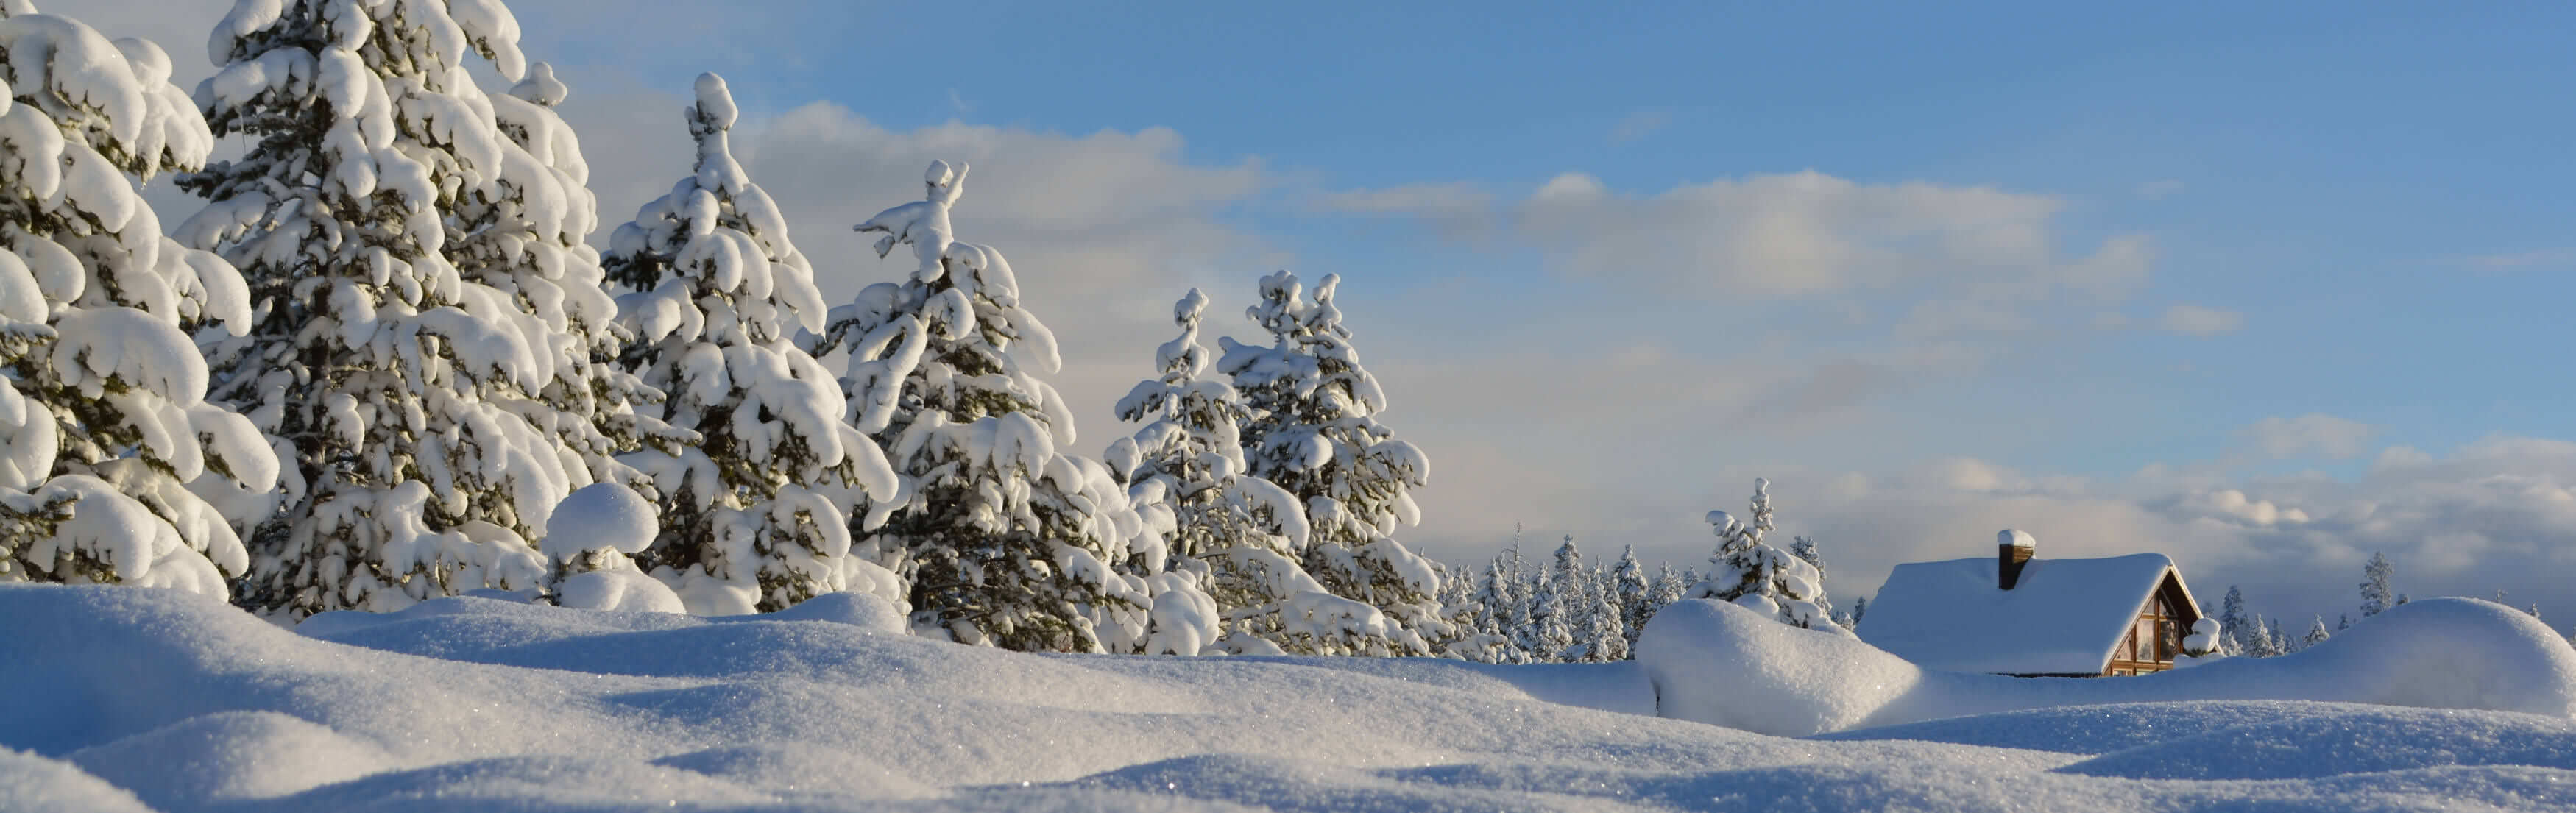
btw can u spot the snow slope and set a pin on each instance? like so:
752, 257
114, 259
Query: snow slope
129, 699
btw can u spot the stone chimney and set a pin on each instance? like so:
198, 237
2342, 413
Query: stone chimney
2013, 549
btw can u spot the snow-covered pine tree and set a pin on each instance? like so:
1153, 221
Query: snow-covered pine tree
1603, 635
1497, 593
103, 418
2375, 592
1549, 633
1007, 540
1859, 608
392, 378
755, 516
1631, 592
1806, 551
2343, 621
1314, 431
2237, 631
1762, 578
2317, 633
1187, 464
529, 237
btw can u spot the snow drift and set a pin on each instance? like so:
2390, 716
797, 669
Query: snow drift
125, 699
1721, 664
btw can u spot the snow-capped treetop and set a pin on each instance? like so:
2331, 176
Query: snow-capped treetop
923, 223
114, 96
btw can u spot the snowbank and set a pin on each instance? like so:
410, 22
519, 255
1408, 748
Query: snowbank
1716, 663
123, 698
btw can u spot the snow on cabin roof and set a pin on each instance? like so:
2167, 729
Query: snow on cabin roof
2063, 618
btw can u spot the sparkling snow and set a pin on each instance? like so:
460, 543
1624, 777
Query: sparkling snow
131, 699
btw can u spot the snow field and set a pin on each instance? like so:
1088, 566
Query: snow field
127, 699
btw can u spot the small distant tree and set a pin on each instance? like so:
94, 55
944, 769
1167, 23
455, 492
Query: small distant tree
2238, 631
1761, 577
1859, 607
2317, 633
2375, 592
1632, 594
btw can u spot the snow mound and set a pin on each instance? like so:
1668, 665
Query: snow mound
600, 516
34, 784
617, 590
862, 610
1720, 664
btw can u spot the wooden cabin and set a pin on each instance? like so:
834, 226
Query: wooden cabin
2017, 614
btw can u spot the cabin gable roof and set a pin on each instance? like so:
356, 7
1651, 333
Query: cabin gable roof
2062, 617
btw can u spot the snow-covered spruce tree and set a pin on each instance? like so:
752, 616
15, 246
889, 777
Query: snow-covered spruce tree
1859, 610
103, 418
1668, 587
2375, 592
2317, 633
755, 516
1548, 634
1632, 591
1314, 431
1760, 577
1806, 551
2236, 630
1497, 593
529, 239
1187, 462
1006, 539
397, 382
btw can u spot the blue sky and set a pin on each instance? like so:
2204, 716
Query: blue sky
1935, 270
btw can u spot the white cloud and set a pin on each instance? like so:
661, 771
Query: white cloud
2199, 320
2311, 434
1638, 125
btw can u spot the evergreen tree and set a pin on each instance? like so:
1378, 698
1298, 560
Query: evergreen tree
1859, 608
1496, 595
1759, 577
398, 382
518, 241
103, 421
1805, 550
2317, 633
2343, 622
2237, 631
1006, 539
1635, 594
1314, 431
1187, 463
1548, 635
2374, 585
753, 516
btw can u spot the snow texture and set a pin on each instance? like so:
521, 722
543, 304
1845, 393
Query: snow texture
1716, 663
180, 703
2064, 616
